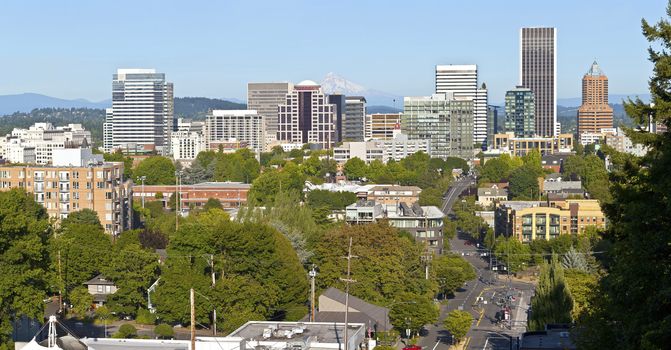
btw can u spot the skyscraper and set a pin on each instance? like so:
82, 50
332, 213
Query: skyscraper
538, 72
520, 112
306, 116
462, 80
355, 118
264, 98
142, 109
340, 111
445, 120
594, 114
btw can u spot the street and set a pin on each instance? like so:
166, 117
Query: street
480, 297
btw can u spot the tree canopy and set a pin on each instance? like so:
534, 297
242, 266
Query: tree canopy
158, 170
24, 227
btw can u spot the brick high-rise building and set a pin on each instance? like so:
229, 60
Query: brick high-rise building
594, 114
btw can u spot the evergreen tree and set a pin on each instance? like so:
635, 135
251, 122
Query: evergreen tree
632, 305
553, 302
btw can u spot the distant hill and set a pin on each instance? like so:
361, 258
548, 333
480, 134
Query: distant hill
28, 101
197, 107
382, 109
91, 119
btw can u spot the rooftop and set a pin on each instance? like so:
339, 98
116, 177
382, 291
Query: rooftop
100, 279
321, 332
550, 339
492, 191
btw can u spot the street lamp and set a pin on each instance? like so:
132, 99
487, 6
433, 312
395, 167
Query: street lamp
142, 178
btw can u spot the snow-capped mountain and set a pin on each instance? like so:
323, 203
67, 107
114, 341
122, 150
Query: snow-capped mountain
335, 84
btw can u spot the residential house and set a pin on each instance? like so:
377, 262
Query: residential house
100, 288
491, 195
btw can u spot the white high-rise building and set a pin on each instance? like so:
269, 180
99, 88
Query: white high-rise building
241, 125
107, 131
142, 109
354, 126
307, 117
462, 81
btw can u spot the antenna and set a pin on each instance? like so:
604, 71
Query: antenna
347, 281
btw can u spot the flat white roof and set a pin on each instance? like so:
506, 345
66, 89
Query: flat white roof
235, 112
457, 67
136, 71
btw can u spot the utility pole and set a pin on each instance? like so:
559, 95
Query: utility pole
60, 285
214, 309
312, 275
193, 319
347, 281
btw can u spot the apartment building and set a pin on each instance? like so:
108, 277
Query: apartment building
520, 112
63, 188
396, 148
425, 223
530, 220
240, 125
41, 139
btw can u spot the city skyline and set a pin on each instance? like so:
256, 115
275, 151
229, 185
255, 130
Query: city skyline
215, 61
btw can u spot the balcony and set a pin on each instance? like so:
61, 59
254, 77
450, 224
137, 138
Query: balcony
63, 189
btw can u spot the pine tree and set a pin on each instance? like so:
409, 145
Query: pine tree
553, 301
632, 305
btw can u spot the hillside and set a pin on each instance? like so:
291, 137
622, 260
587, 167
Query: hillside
93, 118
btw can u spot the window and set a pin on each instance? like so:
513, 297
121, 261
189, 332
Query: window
100, 288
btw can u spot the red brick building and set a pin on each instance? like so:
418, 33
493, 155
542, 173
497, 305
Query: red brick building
230, 194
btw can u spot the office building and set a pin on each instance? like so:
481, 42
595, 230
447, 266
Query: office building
142, 109
520, 146
240, 125
492, 124
381, 126
188, 140
307, 117
594, 114
530, 220
538, 72
340, 113
71, 185
354, 126
36, 144
443, 119
462, 80
622, 143
520, 112
265, 98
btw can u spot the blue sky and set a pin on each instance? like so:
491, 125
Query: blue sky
70, 49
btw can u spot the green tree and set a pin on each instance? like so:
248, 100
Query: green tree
581, 284
133, 270
512, 252
24, 228
85, 217
387, 266
288, 179
329, 199
450, 272
355, 169
118, 156
125, 331
157, 169
84, 249
81, 300
413, 315
164, 331
103, 314
552, 302
494, 170
524, 183
212, 203
630, 307
458, 323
